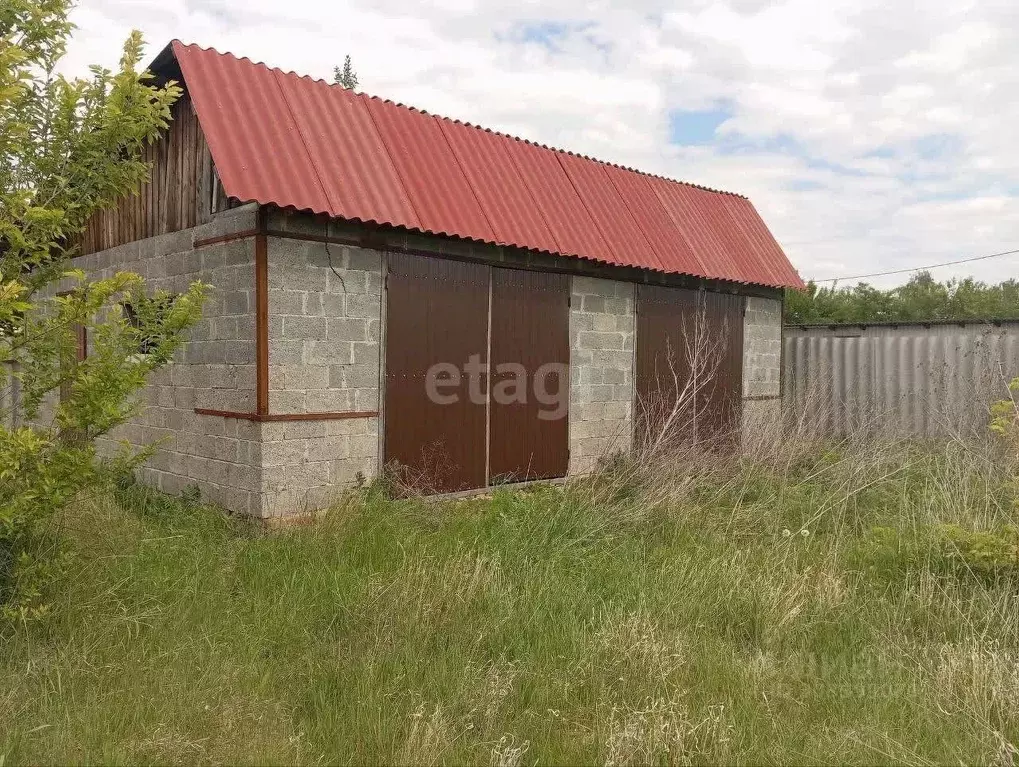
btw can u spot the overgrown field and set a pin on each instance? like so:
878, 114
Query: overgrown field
815, 605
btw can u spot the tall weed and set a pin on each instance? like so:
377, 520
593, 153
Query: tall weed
796, 601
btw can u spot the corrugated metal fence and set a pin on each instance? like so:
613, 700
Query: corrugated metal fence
930, 380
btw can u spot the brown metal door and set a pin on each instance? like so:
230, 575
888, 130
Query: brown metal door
436, 323
689, 364
722, 398
529, 436
664, 375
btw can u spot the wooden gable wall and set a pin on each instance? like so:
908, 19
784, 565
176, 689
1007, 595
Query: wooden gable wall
183, 190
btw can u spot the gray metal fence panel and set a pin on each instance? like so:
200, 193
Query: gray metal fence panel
901, 380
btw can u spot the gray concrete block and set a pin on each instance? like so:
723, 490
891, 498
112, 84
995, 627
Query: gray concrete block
347, 329
596, 340
331, 447
329, 400
284, 453
363, 306
305, 475
237, 353
307, 328
329, 352
366, 353
354, 376
285, 351
366, 399
286, 302
601, 327
287, 401
236, 302
331, 304
364, 260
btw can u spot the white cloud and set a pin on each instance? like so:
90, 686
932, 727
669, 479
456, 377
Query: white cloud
870, 135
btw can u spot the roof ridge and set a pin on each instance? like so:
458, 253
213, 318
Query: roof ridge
560, 150
292, 73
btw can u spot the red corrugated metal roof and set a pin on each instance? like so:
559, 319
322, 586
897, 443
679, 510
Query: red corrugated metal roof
436, 184
220, 103
278, 138
623, 237
487, 162
654, 221
755, 233
701, 219
351, 162
570, 222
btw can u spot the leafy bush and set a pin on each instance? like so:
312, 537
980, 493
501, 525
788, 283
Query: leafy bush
68, 147
1005, 415
982, 551
945, 549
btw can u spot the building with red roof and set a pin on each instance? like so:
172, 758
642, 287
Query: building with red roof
398, 289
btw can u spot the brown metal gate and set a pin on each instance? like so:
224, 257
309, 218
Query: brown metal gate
437, 315
723, 394
689, 364
529, 436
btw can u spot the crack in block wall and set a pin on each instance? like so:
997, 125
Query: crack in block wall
325, 316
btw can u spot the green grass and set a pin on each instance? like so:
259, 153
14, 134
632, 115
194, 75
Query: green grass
653, 615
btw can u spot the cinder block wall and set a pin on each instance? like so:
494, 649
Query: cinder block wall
325, 317
762, 363
601, 370
215, 369
326, 350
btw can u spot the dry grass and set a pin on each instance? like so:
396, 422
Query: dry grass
791, 604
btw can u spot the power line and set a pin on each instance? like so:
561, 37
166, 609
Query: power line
923, 268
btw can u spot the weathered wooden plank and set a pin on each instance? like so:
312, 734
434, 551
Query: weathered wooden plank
183, 190
204, 191
188, 200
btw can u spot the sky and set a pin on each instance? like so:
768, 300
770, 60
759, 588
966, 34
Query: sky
871, 136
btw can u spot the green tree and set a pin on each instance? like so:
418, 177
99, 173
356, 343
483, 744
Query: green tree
67, 148
921, 299
345, 76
